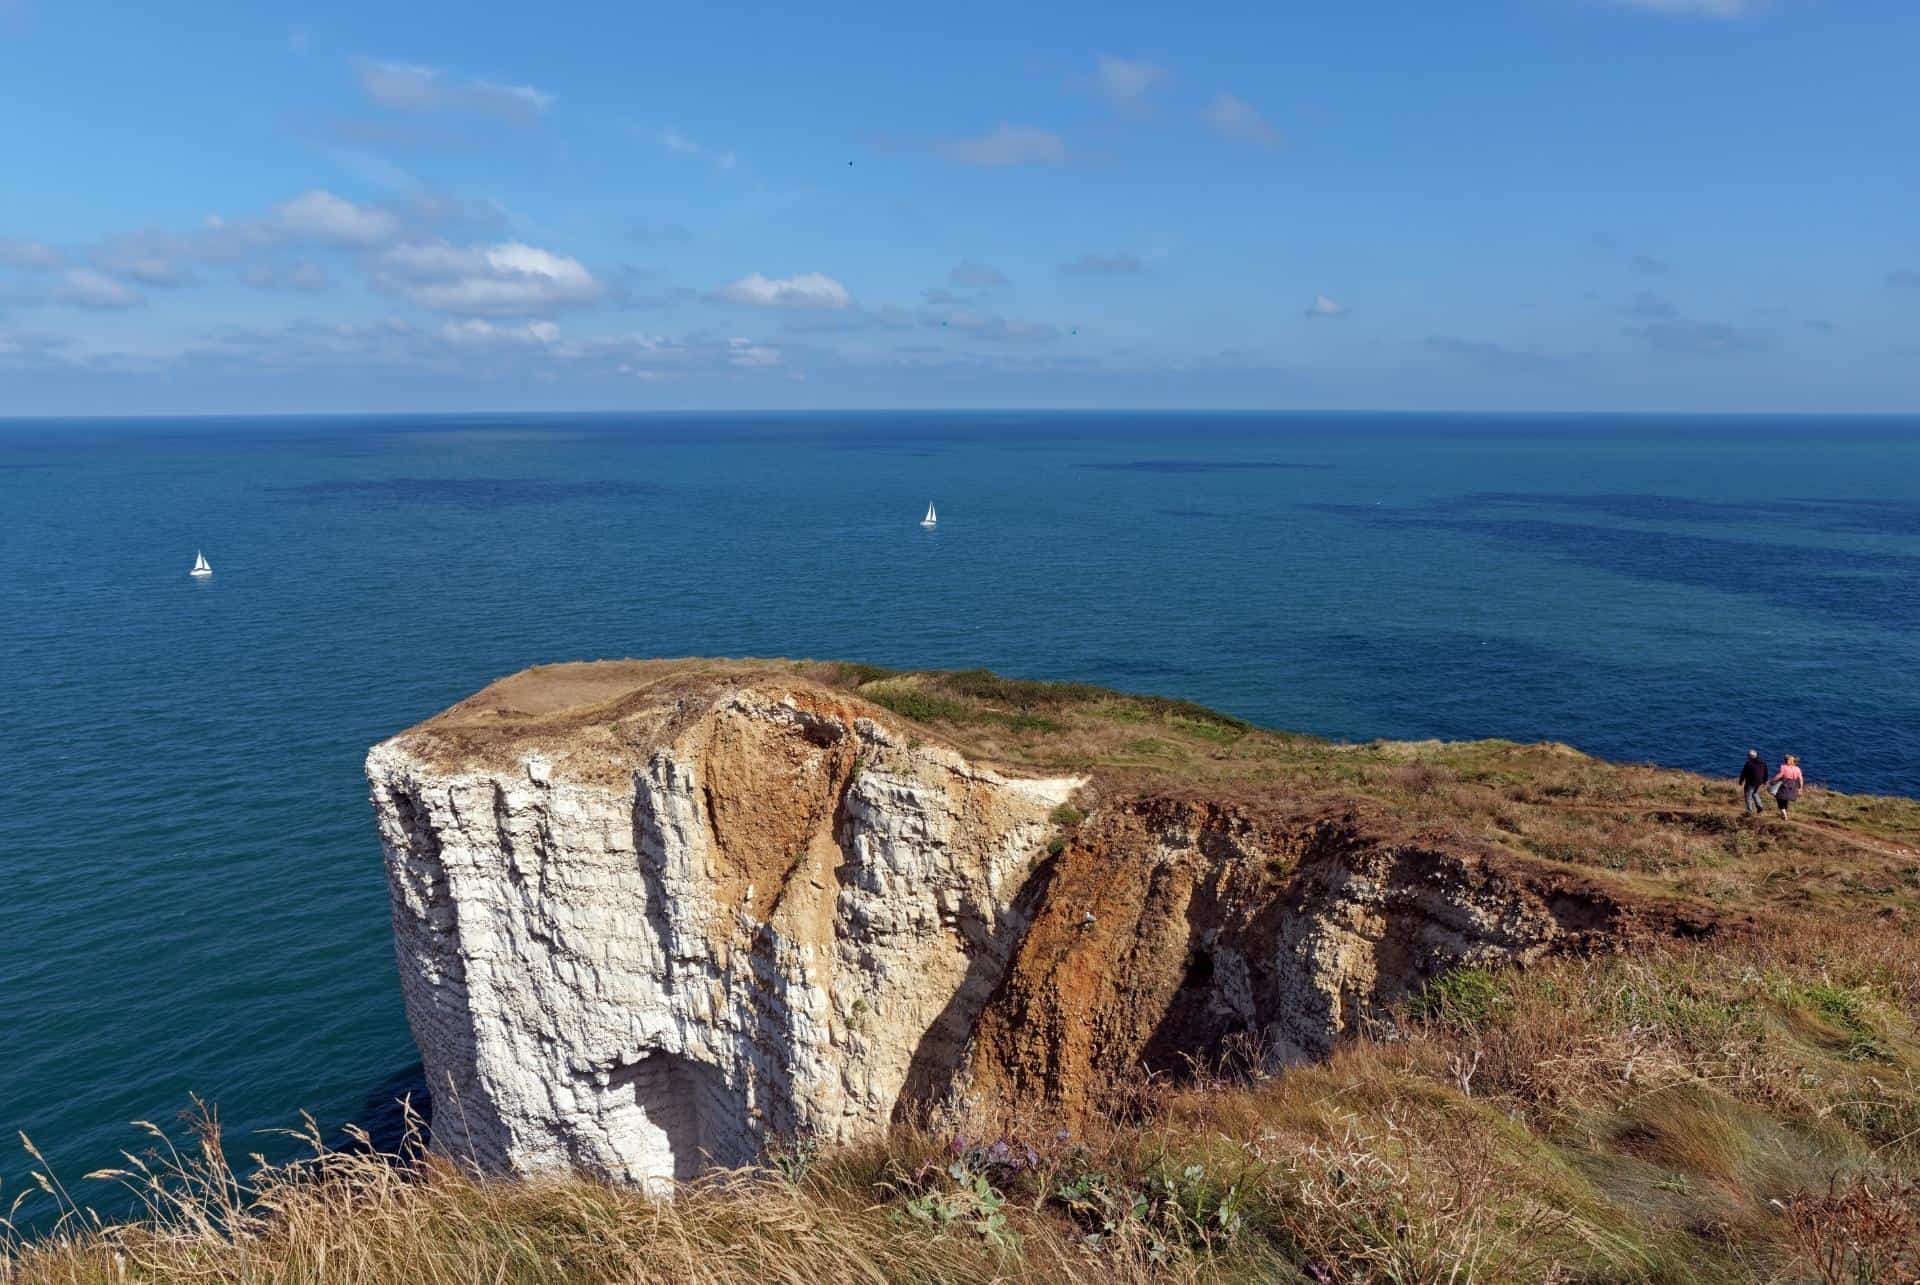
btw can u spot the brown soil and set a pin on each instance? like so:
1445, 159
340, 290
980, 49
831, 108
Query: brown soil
595, 718
771, 790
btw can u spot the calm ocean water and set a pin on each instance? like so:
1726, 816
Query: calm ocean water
195, 896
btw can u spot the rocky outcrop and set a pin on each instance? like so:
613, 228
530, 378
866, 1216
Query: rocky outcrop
1177, 932
652, 918
647, 921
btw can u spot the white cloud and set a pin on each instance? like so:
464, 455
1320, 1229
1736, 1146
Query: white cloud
32, 344
1125, 84
746, 353
1698, 8
32, 256
805, 290
1496, 358
326, 219
1238, 119
655, 358
415, 87
674, 141
977, 325
305, 275
976, 276
1008, 145
1654, 306
512, 99
398, 85
1698, 338
475, 331
152, 258
847, 321
153, 270
507, 280
1325, 307
85, 288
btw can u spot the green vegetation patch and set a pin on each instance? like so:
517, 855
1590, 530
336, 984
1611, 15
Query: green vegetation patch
921, 706
1465, 997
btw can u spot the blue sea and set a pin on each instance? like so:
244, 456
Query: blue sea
195, 901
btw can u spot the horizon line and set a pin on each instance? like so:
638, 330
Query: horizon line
660, 412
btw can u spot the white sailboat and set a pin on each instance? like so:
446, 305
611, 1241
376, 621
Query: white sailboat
932, 518
200, 567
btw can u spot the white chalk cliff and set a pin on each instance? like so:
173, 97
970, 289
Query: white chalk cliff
650, 918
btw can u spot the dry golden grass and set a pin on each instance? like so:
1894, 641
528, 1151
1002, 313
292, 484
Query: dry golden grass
1689, 1113
1648, 829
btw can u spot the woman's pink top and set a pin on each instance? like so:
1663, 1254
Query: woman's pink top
1791, 772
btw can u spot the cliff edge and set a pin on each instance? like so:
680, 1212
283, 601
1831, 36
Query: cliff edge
655, 917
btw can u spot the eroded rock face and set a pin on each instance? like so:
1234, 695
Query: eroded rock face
1175, 931
646, 935
651, 918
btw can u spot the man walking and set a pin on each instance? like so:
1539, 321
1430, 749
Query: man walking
1753, 779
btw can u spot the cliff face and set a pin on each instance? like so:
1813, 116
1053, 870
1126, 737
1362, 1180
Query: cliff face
647, 922
1177, 931
653, 917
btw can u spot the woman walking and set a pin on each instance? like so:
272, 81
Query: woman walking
1787, 783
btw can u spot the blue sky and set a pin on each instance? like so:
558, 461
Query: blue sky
1499, 204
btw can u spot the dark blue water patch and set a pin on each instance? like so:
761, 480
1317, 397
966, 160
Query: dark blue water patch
1194, 513
1863, 586
1878, 589
1886, 517
475, 492
1203, 466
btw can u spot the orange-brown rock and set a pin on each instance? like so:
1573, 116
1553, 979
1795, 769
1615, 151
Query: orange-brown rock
1181, 931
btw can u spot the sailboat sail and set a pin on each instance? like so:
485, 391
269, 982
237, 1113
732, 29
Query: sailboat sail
931, 517
200, 567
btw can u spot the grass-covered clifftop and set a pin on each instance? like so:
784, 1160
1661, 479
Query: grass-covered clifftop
1740, 1101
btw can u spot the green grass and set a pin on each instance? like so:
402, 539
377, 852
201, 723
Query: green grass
923, 707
